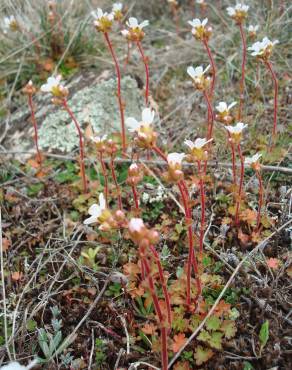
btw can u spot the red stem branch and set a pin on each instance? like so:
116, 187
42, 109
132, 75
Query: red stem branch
233, 158
136, 196
81, 146
112, 166
238, 201
242, 81
163, 283
203, 205
261, 198
104, 173
121, 107
33, 119
145, 61
210, 115
276, 88
205, 42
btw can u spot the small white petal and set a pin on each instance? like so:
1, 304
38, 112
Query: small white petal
148, 115
133, 124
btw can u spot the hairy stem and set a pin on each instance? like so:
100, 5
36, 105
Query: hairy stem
114, 176
33, 119
205, 42
163, 283
164, 354
81, 145
121, 106
104, 173
145, 61
242, 81
135, 196
238, 201
276, 88
210, 116
261, 198
203, 205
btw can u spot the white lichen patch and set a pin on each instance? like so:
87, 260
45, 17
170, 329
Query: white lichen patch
95, 105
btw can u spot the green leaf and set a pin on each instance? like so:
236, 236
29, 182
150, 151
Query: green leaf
264, 334
34, 189
229, 329
213, 323
247, 366
202, 355
31, 325
216, 340
204, 336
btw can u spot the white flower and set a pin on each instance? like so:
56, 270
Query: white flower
16, 366
196, 23
254, 159
102, 21
133, 166
52, 84
239, 8
223, 107
197, 73
96, 210
253, 29
7, 22
147, 119
136, 224
260, 47
197, 144
175, 158
98, 139
237, 129
132, 23
200, 1
117, 7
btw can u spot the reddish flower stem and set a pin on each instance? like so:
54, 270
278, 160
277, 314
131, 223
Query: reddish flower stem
276, 88
203, 205
81, 146
242, 81
145, 61
210, 116
163, 283
164, 354
135, 196
233, 158
261, 198
205, 42
192, 261
112, 166
238, 201
105, 177
121, 106
34, 122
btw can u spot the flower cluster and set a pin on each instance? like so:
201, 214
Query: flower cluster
238, 13
236, 131
135, 30
103, 21
263, 49
117, 11
54, 87
10, 24
253, 161
99, 213
141, 235
196, 150
224, 115
201, 82
135, 174
175, 172
146, 136
29, 88
100, 142
199, 29
252, 30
